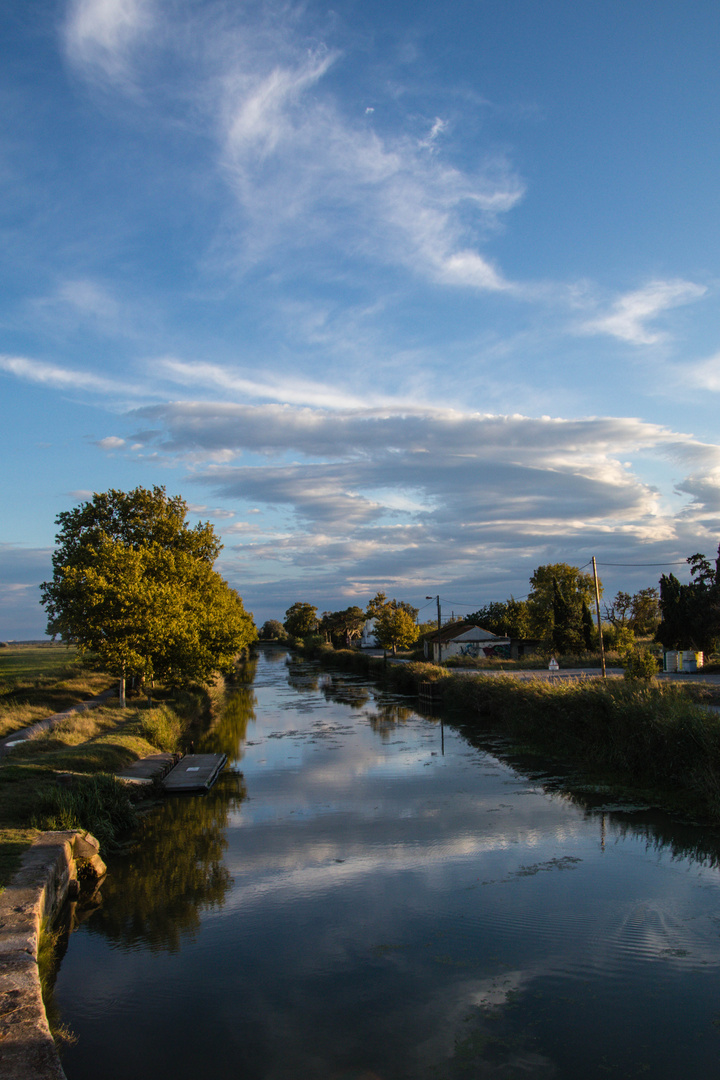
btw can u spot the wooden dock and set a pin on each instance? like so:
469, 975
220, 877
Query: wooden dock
194, 773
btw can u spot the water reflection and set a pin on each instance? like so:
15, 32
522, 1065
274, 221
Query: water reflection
155, 895
620, 814
376, 910
228, 735
344, 691
387, 716
302, 676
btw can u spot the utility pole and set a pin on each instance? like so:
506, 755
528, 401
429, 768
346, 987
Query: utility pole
439, 625
599, 623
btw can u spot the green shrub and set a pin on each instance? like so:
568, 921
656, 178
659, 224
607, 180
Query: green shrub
618, 638
640, 663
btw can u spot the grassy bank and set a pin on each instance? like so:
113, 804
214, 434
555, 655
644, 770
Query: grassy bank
64, 778
659, 738
37, 681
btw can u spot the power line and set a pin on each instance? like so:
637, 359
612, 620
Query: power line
683, 562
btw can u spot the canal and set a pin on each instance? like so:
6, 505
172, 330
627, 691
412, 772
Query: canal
366, 895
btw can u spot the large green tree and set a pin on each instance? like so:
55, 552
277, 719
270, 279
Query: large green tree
134, 584
301, 619
272, 630
508, 618
395, 626
343, 627
691, 613
555, 605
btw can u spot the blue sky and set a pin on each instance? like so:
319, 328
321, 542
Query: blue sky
399, 296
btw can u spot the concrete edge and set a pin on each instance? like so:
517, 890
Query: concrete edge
47, 876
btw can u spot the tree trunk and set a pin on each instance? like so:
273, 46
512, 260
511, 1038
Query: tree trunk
121, 693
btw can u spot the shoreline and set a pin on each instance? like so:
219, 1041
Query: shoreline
47, 878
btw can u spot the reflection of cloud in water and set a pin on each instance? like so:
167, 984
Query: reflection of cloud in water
475, 1038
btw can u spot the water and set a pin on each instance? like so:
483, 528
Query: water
368, 896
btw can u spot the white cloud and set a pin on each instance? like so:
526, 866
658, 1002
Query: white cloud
704, 374
111, 442
59, 378
100, 33
293, 390
356, 497
629, 314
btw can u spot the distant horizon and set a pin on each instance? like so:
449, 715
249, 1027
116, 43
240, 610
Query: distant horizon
401, 298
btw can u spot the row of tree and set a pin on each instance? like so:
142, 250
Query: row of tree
395, 626
558, 612
135, 585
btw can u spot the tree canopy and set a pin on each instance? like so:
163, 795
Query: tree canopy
133, 583
508, 619
342, 627
395, 626
690, 614
639, 613
301, 619
558, 606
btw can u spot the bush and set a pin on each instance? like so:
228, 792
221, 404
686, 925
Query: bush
618, 638
640, 663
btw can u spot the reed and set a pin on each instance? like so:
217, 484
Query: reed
652, 735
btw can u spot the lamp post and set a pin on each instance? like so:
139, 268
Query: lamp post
439, 625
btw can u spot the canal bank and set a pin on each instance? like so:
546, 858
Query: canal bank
661, 738
48, 877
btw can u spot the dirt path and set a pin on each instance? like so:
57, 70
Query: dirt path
50, 721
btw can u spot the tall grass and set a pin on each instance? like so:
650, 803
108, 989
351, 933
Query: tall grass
652, 735
98, 804
162, 727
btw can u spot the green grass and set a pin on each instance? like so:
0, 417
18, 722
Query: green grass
37, 681
64, 778
27, 663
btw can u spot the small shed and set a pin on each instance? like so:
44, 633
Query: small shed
465, 639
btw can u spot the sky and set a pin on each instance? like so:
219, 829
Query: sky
401, 297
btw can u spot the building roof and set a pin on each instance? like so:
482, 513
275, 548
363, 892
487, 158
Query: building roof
465, 631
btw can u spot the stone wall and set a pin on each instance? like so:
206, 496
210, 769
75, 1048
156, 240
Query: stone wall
47, 877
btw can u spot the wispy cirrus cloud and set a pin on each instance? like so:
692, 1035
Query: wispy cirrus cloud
629, 316
305, 174
304, 171
60, 378
293, 390
703, 374
99, 34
